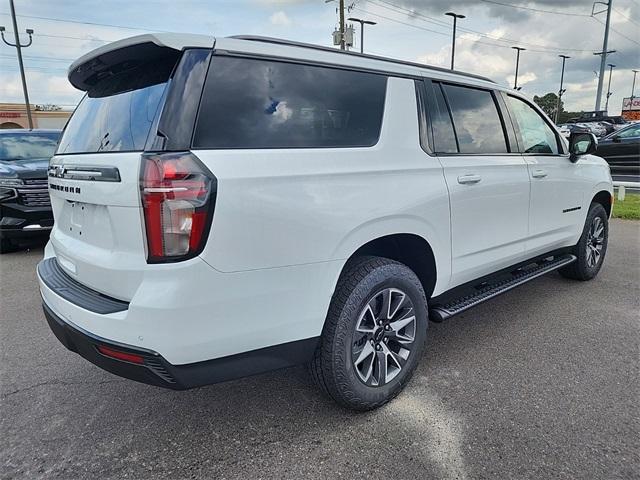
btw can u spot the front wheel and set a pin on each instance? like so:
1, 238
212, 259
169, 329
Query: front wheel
592, 246
374, 334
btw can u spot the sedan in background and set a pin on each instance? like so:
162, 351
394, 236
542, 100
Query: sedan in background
25, 208
621, 150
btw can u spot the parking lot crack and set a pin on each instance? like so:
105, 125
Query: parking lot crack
56, 382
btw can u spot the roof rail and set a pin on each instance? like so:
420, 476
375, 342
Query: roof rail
280, 41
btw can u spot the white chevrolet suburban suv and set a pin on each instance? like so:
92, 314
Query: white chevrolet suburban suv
229, 206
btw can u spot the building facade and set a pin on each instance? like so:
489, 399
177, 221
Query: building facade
14, 115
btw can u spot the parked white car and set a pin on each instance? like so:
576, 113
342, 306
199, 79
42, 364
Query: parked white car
228, 206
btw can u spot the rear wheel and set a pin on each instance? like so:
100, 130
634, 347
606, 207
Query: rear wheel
591, 248
374, 334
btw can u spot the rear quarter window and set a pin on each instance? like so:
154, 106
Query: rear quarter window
249, 103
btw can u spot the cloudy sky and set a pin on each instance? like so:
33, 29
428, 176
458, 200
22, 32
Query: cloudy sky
415, 30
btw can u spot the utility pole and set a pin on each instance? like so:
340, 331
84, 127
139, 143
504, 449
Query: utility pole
453, 40
606, 105
518, 49
18, 47
362, 24
343, 45
561, 91
341, 34
604, 52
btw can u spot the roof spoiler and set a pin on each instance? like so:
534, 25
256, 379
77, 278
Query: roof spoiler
125, 54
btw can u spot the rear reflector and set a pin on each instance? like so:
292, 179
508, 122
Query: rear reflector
178, 196
118, 355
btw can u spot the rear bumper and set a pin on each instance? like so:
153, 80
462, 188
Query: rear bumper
155, 370
152, 372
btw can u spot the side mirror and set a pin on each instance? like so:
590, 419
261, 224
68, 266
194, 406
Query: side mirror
615, 138
581, 144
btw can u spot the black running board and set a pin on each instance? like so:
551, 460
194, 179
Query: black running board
488, 289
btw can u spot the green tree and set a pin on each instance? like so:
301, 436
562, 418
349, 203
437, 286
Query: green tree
548, 104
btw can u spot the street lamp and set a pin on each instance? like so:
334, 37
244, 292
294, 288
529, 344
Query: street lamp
515, 82
455, 16
562, 90
606, 105
362, 24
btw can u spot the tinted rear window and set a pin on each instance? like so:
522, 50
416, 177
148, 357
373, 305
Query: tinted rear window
476, 120
27, 145
116, 123
118, 111
264, 104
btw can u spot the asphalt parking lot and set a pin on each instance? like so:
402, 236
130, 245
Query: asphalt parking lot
541, 382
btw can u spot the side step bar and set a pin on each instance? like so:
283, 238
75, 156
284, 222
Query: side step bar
488, 290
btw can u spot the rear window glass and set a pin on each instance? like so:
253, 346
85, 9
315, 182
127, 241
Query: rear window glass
264, 104
117, 123
476, 120
27, 145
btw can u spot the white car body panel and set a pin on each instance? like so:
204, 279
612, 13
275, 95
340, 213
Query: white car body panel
287, 220
488, 218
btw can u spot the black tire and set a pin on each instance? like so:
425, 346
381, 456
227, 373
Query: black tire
364, 281
584, 268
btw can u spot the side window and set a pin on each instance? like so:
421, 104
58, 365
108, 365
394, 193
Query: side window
444, 137
476, 120
630, 132
251, 103
537, 136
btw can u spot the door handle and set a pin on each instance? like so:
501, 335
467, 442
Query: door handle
539, 174
469, 179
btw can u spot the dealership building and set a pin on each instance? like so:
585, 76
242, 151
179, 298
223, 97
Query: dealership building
14, 115
631, 108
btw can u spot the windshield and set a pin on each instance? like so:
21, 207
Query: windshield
27, 145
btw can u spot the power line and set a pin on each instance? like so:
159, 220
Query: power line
86, 39
624, 16
539, 10
510, 41
52, 19
39, 58
618, 32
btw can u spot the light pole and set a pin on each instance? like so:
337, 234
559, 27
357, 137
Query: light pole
518, 50
18, 47
455, 16
561, 91
362, 24
633, 88
606, 105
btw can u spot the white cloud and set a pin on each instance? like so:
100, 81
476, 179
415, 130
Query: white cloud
280, 18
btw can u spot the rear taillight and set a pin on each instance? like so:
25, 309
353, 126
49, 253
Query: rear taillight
178, 197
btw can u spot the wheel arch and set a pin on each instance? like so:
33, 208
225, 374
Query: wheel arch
604, 198
410, 249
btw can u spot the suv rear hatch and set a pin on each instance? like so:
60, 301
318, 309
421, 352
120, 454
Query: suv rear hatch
142, 97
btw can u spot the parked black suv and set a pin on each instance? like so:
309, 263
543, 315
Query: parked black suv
25, 208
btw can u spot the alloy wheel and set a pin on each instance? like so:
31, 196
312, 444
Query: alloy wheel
384, 336
595, 242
